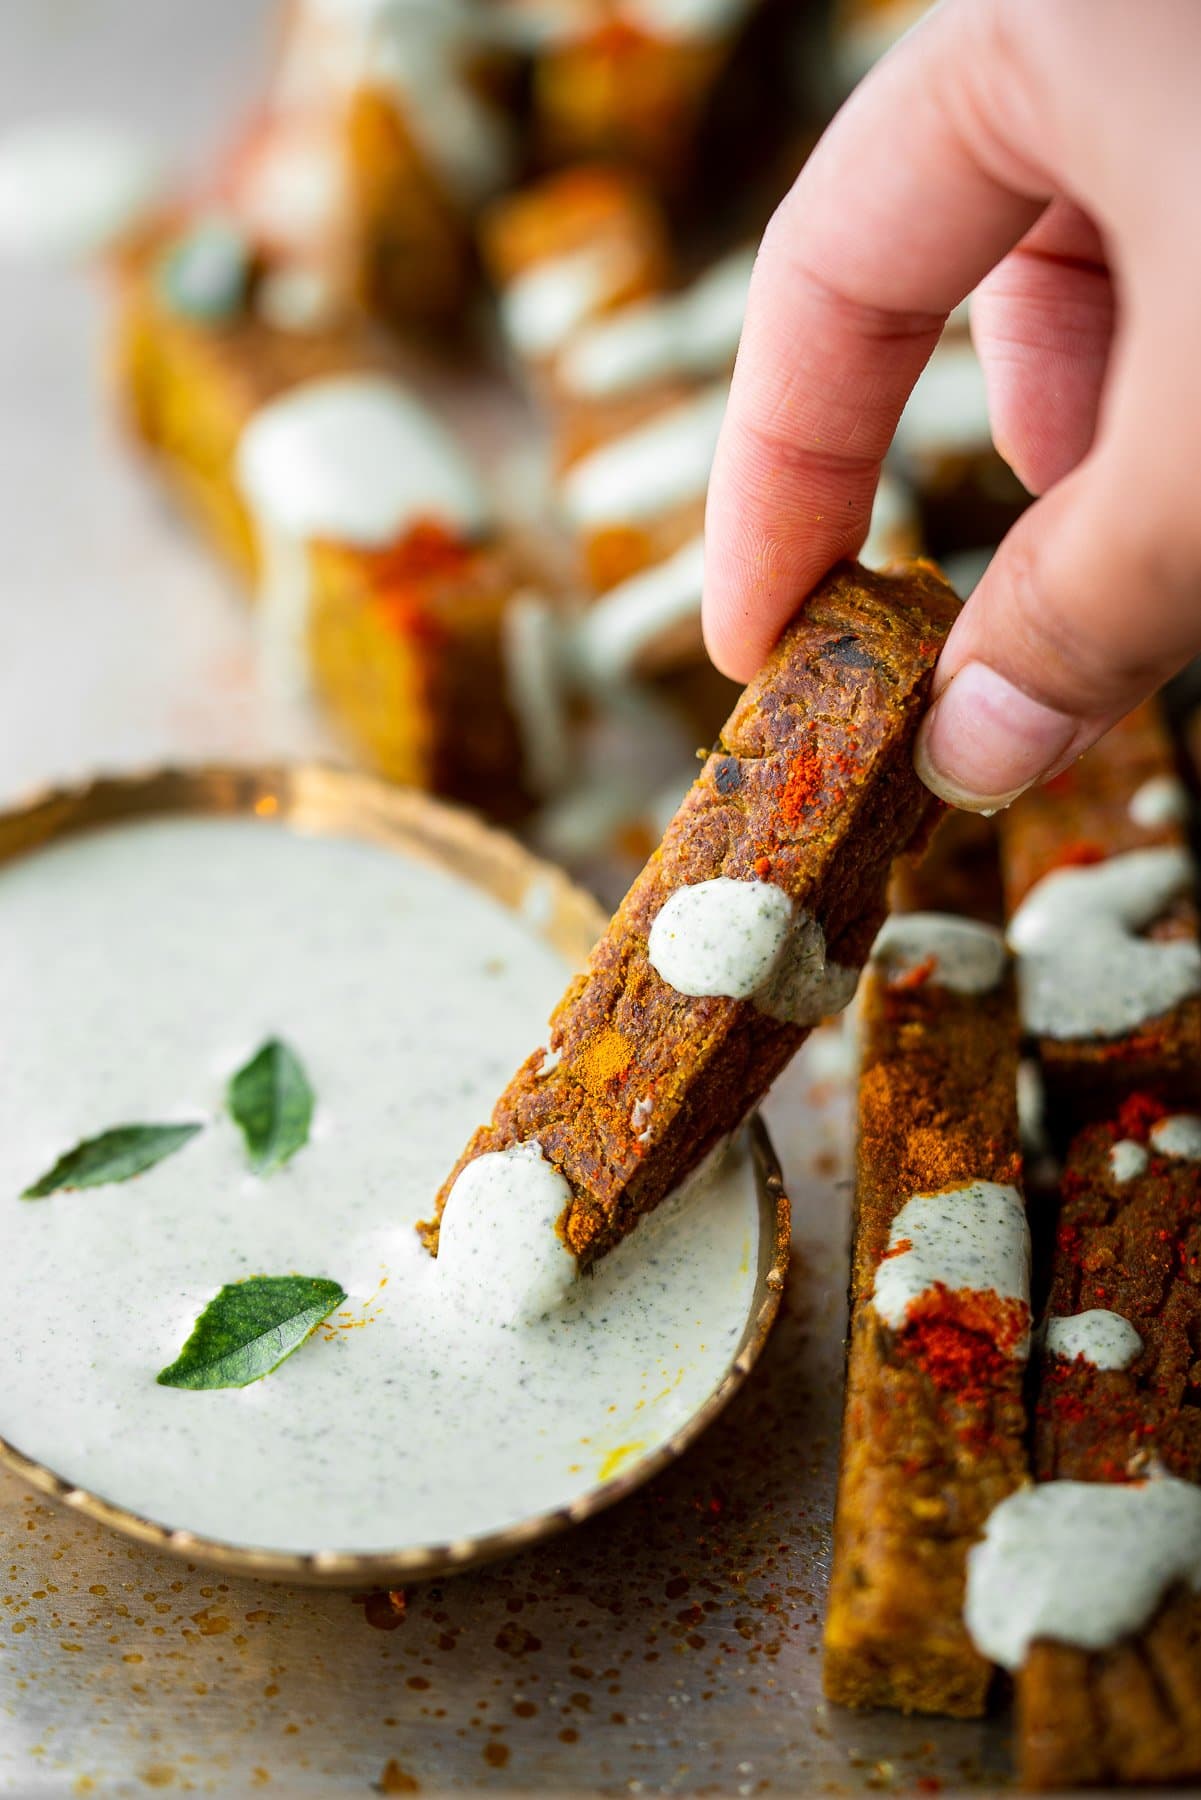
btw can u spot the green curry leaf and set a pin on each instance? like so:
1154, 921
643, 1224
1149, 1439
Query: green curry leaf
115, 1155
272, 1103
250, 1328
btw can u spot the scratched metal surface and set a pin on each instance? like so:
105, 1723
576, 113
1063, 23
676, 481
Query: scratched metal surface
671, 1646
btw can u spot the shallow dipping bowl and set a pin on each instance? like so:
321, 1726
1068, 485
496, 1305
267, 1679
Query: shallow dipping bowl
315, 801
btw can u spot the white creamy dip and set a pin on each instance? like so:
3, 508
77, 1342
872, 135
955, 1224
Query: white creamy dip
138, 968
1082, 971
613, 631
720, 936
418, 51
1079, 1562
1179, 1135
684, 19
973, 1238
968, 958
543, 305
657, 466
292, 187
1127, 1159
745, 940
532, 657
692, 333
535, 24
895, 526
525, 1270
355, 459
1161, 801
1103, 1338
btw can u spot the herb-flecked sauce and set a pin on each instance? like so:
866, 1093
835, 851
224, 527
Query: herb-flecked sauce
140, 966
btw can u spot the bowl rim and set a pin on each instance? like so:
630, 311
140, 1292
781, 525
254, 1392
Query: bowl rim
320, 799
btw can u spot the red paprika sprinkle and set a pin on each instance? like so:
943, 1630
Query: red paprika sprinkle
802, 786
1137, 1114
965, 1340
917, 977
1078, 854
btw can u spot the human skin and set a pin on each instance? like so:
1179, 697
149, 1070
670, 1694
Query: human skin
1047, 155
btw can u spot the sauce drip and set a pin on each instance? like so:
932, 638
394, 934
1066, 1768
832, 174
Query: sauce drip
1082, 970
1079, 1562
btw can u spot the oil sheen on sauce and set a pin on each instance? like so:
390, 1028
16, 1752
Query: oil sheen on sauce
139, 966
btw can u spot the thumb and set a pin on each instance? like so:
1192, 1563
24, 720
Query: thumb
1090, 604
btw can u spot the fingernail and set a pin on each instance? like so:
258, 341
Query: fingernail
984, 741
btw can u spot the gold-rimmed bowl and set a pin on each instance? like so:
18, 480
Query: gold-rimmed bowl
315, 800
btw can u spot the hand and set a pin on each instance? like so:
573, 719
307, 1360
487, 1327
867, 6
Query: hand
1050, 150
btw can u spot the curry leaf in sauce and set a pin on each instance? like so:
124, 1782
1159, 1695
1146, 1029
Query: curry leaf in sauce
114, 1155
250, 1328
272, 1103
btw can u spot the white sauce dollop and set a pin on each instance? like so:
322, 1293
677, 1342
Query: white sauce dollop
296, 300
533, 25
543, 305
70, 187
1084, 1563
498, 1246
1082, 971
614, 630
420, 52
661, 464
295, 190
721, 937
1163, 800
1127, 1159
532, 655
692, 333
807, 986
895, 527
744, 940
973, 1237
1103, 1338
684, 19
1178, 1136
969, 957
355, 459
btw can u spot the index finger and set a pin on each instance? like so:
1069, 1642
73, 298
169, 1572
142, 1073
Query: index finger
907, 201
